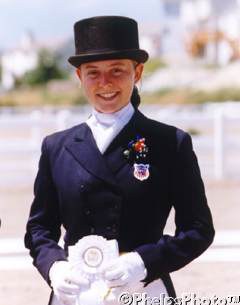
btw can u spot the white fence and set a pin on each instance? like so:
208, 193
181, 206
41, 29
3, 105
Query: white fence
215, 131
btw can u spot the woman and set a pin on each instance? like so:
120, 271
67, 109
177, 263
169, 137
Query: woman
117, 175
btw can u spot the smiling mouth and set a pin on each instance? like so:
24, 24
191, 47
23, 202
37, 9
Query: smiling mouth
108, 96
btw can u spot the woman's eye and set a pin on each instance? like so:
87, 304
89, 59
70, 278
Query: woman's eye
92, 73
117, 71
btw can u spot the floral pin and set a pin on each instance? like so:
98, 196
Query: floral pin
138, 152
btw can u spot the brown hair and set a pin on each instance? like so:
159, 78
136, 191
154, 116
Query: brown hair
135, 98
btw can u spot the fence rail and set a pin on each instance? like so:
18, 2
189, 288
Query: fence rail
215, 131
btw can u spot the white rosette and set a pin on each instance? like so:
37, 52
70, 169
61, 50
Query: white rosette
88, 257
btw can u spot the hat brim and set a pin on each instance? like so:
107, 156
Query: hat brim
137, 55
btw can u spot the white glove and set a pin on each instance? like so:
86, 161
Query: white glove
66, 285
126, 270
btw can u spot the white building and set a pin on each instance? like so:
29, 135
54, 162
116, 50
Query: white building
172, 30
183, 17
18, 61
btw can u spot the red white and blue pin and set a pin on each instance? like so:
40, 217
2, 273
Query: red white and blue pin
137, 152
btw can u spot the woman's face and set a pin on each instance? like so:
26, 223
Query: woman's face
108, 84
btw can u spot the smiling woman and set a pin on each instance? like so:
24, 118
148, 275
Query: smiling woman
116, 176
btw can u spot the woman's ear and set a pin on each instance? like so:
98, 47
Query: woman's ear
78, 72
138, 72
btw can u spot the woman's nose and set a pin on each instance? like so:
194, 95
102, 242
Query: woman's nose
104, 79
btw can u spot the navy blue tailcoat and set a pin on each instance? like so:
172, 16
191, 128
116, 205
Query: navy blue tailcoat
92, 193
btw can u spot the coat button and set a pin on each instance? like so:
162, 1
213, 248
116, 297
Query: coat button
114, 228
116, 207
82, 187
87, 212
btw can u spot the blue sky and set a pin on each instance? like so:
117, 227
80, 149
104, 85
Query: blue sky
55, 18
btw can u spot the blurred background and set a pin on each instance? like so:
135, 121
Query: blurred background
191, 81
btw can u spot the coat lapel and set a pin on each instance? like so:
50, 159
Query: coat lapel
84, 149
104, 166
115, 151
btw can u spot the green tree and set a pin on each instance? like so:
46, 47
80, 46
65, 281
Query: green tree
48, 68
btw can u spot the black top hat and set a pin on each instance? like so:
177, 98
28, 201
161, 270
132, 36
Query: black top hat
106, 37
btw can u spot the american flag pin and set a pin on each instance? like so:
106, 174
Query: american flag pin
141, 171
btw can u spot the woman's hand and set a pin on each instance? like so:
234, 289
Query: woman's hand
127, 269
66, 285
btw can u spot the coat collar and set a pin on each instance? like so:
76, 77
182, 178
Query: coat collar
83, 147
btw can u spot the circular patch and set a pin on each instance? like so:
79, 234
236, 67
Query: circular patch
93, 257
